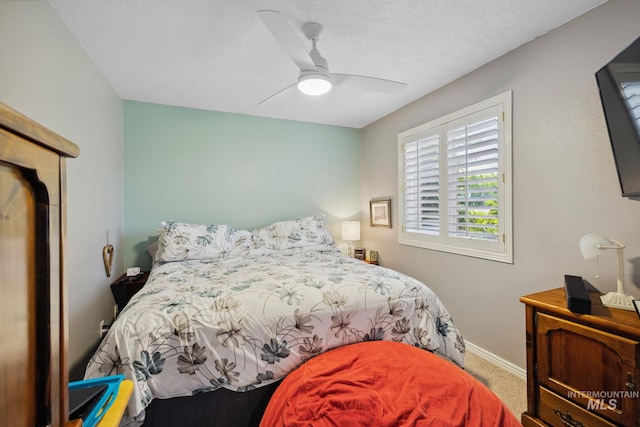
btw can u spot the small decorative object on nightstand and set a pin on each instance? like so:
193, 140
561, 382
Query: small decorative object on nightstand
372, 257
359, 253
582, 369
126, 287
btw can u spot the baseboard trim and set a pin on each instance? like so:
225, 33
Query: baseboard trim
498, 361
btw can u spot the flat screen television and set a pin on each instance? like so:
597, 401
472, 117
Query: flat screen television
619, 84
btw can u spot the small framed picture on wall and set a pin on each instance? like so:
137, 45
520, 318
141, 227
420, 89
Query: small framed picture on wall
380, 213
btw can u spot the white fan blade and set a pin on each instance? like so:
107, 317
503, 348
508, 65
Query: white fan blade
277, 95
284, 34
370, 84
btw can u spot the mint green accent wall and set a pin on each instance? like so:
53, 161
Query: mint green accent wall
209, 167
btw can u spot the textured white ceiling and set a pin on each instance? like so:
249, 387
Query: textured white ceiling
218, 55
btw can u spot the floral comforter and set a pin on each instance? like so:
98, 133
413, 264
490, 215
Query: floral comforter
244, 322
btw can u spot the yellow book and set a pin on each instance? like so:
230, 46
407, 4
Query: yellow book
114, 414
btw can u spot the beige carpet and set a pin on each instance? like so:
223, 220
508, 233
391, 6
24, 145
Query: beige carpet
508, 387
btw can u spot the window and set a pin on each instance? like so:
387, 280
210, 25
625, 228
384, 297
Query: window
455, 182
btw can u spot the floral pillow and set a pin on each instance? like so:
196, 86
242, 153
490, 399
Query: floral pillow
297, 233
179, 241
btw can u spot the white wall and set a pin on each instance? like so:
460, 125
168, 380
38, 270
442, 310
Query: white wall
45, 74
564, 179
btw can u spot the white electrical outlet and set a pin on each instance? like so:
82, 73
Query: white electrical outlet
103, 328
100, 331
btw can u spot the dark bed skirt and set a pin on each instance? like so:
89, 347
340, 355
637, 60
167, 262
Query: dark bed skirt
221, 408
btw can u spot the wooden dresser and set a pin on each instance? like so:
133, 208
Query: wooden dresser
33, 312
582, 369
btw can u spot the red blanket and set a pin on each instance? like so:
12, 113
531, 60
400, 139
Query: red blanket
383, 383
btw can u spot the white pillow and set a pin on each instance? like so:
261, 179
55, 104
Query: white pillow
297, 233
180, 241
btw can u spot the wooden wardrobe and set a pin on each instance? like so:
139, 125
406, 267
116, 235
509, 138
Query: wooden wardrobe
33, 312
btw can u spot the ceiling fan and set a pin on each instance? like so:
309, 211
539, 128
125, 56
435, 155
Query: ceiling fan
314, 77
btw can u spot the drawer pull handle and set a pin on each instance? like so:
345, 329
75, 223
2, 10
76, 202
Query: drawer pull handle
567, 419
631, 382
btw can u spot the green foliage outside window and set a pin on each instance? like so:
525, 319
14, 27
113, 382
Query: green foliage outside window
483, 196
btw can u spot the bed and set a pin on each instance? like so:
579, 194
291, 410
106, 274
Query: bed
230, 312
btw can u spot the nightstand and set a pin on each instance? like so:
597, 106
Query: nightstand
126, 287
582, 369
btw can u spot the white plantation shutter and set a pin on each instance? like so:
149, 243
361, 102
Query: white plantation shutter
422, 186
472, 177
454, 175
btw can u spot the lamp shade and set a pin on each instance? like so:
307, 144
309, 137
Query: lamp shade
593, 244
351, 230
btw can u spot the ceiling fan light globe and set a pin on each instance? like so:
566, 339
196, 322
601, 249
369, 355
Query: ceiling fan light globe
314, 84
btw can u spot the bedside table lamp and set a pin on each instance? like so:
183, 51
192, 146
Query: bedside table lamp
351, 232
593, 244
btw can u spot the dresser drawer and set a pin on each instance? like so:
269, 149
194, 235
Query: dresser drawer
559, 412
574, 358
